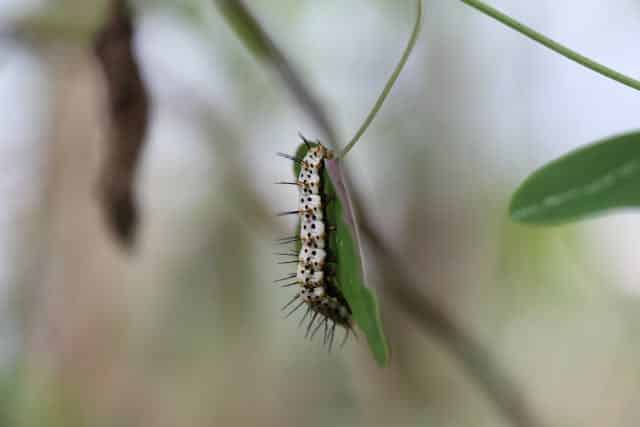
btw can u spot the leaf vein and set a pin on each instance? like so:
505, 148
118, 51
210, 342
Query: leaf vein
594, 187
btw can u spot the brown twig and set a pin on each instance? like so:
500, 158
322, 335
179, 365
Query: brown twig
128, 104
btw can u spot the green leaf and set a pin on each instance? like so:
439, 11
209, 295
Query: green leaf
350, 272
344, 245
583, 183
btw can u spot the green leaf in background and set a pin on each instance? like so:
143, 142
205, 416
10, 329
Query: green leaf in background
585, 182
343, 245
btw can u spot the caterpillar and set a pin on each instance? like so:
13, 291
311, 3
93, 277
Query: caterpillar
329, 278
315, 280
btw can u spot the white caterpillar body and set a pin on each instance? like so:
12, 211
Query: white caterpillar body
316, 286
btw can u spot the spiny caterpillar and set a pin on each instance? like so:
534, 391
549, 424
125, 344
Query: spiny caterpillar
330, 278
315, 279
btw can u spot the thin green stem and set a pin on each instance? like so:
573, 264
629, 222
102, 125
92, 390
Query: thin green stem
553, 45
390, 82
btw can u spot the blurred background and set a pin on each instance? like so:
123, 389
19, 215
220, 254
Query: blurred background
186, 329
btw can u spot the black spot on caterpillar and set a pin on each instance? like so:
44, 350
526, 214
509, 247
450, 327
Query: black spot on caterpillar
317, 288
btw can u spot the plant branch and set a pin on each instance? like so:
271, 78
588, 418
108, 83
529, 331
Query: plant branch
552, 44
392, 80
